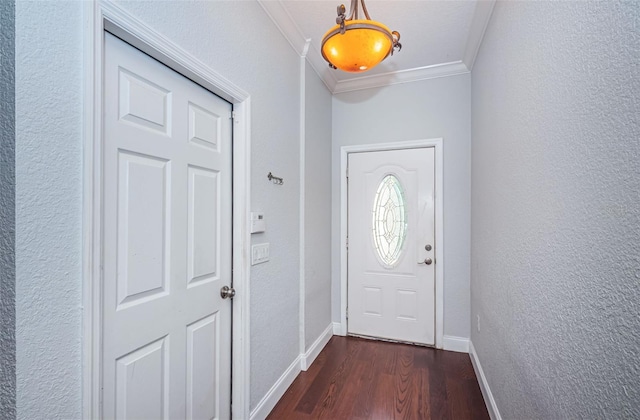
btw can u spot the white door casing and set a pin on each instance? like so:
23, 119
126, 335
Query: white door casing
167, 242
391, 291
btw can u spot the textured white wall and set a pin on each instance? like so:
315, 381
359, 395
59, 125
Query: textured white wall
555, 210
317, 219
7, 212
236, 39
411, 111
48, 209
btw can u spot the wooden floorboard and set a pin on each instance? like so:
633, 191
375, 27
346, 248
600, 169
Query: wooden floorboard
354, 378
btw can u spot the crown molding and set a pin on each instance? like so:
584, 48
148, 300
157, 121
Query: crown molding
302, 46
481, 17
321, 67
402, 76
286, 24
278, 13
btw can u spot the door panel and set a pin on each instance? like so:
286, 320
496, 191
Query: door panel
204, 127
143, 228
202, 246
202, 372
390, 221
143, 103
167, 242
141, 382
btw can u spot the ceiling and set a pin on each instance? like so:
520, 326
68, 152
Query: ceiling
439, 38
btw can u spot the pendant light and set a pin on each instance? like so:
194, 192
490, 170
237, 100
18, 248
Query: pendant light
355, 45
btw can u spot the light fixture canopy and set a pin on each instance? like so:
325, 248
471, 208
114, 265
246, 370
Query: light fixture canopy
355, 45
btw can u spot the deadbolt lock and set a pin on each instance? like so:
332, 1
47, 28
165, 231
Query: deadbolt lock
428, 247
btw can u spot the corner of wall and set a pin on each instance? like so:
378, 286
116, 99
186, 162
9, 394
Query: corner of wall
314, 350
457, 344
271, 398
489, 400
301, 363
7, 211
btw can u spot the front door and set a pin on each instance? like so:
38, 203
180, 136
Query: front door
391, 249
167, 242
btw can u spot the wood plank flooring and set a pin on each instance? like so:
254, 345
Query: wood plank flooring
353, 378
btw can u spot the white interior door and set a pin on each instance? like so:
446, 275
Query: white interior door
167, 242
391, 249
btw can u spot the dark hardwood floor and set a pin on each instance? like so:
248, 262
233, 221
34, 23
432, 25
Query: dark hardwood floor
353, 378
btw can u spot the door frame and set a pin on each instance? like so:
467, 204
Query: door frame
100, 16
437, 144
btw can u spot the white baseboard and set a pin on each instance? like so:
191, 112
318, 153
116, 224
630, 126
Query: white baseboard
492, 408
302, 362
453, 343
337, 329
315, 349
276, 392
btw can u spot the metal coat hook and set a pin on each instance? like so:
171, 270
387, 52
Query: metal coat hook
275, 179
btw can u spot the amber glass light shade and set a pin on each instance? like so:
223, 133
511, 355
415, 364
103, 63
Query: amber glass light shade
364, 44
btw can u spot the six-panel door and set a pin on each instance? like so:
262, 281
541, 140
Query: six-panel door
167, 242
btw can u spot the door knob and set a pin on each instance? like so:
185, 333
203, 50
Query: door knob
427, 261
227, 292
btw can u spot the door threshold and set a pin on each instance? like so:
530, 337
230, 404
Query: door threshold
389, 340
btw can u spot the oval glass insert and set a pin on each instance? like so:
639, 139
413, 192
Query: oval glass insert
389, 220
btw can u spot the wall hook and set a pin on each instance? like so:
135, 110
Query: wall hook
275, 179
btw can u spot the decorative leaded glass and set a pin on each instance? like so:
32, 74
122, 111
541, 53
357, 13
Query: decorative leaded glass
389, 220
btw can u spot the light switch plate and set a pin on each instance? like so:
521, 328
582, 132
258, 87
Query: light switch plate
259, 253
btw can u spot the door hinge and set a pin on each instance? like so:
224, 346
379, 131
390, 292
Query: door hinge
347, 173
347, 243
233, 115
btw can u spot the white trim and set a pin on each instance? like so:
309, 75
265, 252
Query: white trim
283, 20
91, 214
302, 362
322, 69
489, 401
278, 13
307, 358
98, 17
401, 76
301, 177
438, 144
271, 398
337, 329
129, 28
241, 325
344, 189
453, 343
481, 18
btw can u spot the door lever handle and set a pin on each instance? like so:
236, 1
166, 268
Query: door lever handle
426, 261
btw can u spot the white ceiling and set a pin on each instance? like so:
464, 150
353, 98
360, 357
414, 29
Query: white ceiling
439, 38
